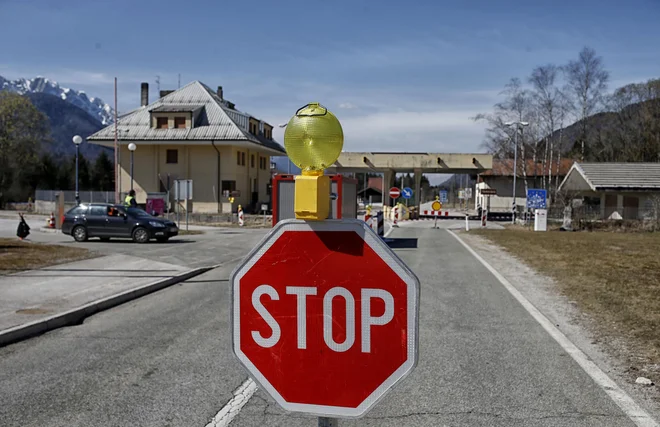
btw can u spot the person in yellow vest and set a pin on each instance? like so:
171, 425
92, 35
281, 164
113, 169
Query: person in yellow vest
129, 201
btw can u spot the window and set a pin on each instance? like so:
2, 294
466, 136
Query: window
161, 123
97, 210
78, 210
179, 122
228, 187
114, 211
252, 161
172, 156
242, 158
238, 158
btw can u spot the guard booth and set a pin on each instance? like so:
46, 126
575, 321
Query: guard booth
343, 195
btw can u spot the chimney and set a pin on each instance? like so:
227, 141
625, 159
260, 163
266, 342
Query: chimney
144, 92
220, 92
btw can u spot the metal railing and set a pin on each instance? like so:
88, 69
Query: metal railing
70, 196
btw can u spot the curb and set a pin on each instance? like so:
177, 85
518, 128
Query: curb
49, 230
77, 315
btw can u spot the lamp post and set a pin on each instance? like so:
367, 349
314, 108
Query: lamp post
77, 140
519, 125
132, 148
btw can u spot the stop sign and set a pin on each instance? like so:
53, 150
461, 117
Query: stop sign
325, 316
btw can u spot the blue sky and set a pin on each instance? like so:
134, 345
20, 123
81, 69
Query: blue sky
401, 76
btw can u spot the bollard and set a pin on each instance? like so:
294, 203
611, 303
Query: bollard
240, 215
484, 217
396, 217
467, 224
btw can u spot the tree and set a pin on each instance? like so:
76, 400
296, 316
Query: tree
103, 178
546, 96
22, 130
586, 80
84, 174
66, 174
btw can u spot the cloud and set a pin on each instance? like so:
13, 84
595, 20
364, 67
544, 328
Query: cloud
347, 106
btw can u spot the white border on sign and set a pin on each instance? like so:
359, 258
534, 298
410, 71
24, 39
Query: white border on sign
384, 251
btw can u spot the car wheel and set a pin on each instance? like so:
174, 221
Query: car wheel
162, 239
140, 235
79, 234
105, 239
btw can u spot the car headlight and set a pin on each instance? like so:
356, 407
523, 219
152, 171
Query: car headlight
156, 224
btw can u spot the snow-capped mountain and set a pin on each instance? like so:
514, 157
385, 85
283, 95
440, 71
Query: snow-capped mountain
93, 106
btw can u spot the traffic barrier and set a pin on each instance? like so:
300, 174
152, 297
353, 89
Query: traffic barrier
240, 216
50, 222
484, 218
396, 217
378, 223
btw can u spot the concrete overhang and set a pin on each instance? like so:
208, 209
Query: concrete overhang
450, 163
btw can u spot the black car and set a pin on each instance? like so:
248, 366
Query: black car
105, 221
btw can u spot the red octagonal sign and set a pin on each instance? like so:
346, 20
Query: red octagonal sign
325, 316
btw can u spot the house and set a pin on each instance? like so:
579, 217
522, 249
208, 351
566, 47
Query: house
500, 178
194, 133
620, 190
373, 192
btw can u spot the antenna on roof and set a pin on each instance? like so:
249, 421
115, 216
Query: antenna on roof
158, 83
179, 80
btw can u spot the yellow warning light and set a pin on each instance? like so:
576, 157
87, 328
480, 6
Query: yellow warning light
313, 140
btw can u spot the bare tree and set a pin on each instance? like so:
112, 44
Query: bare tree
546, 96
587, 81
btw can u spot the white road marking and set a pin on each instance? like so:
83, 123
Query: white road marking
636, 414
241, 396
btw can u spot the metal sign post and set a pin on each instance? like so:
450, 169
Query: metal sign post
183, 190
328, 422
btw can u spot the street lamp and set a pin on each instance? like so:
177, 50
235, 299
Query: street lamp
132, 148
519, 125
77, 140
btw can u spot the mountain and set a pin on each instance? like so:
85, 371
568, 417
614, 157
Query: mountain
95, 107
66, 120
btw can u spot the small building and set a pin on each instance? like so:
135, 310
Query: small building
194, 133
619, 190
500, 178
373, 192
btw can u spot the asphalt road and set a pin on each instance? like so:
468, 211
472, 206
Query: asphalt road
216, 245
166, 360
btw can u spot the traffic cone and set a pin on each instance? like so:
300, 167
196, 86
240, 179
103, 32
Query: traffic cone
51, 221
240, 216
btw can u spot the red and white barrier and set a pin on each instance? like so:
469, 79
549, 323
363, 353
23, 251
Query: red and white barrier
240, 216
396, 217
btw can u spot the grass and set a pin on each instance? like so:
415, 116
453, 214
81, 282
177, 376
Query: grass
613, 276
16, 255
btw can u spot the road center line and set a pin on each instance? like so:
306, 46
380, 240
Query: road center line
636, 414
241, 396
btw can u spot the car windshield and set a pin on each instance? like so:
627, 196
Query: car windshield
136, 212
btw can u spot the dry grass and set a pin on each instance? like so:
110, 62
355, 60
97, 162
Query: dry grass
18, 256
614, 277
190, 232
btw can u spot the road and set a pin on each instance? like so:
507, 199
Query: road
166, 360
200, 250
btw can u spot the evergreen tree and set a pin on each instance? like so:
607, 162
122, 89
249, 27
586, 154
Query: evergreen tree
103, 177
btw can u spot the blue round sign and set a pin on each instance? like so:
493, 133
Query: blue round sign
406, 193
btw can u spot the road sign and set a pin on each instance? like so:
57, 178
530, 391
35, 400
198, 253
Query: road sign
488, 192
407, 193
461, 194
183, 189
443, 196
536, 199
320, 339
395, 192
436, 206
468, 193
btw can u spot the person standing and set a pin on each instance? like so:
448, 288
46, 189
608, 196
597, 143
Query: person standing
129, 201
